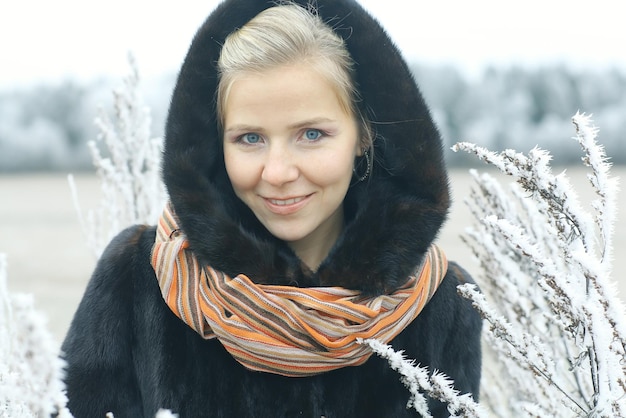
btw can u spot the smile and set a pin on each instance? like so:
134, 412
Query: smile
286, 202
286, 206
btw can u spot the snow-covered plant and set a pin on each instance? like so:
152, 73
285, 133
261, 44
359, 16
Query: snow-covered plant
30, 370
420, 382
161, 413
555, 334
129, 168
555, 327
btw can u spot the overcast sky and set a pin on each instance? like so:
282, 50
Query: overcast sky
42, 41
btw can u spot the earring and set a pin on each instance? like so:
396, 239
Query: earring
367, 169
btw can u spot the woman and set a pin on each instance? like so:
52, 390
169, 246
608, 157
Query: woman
306, 186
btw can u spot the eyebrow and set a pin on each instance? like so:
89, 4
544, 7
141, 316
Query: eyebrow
314, 121
309, 122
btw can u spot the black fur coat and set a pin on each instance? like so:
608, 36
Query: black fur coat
129, 354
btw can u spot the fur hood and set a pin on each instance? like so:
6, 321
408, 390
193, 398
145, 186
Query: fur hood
391, 218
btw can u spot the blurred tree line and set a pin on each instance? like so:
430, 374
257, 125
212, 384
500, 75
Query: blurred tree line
47, 127
521, 108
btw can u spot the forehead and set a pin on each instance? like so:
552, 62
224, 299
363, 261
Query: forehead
295, 91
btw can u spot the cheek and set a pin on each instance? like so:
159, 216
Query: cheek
240, 173
333, 170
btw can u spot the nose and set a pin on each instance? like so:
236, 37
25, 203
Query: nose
280, 165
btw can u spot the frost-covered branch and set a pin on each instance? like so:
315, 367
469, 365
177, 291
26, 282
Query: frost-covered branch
127, 160
30, 370
558, 332
418, 381
161, 413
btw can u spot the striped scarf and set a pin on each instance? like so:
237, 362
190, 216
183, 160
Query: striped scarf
284, 330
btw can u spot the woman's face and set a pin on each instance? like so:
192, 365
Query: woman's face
289, 150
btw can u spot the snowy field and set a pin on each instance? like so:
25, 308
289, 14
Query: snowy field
47, 254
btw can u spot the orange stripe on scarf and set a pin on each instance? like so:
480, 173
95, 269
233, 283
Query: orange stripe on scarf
284, 330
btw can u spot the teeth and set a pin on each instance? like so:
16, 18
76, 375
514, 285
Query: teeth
286, 202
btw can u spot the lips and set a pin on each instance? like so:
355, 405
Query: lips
286, 206
286, 202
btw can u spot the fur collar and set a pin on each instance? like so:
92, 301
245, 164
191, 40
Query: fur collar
392, 217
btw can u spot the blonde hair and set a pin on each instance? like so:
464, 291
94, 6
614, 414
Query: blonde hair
284, 35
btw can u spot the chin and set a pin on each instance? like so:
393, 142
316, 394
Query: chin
287, 234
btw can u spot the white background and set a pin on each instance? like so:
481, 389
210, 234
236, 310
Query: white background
48, 41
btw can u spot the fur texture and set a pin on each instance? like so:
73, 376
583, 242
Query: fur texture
127, 353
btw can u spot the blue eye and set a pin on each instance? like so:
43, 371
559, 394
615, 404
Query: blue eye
251, 138
312, 134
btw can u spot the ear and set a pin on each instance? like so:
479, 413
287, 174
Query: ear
361, 142
364, 140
